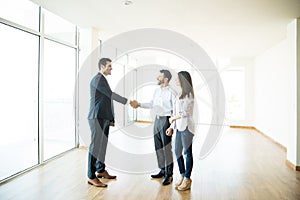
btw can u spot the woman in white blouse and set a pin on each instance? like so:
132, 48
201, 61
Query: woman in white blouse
182, 122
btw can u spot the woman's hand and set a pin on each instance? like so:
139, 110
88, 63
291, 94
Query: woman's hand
169, 131
172, 119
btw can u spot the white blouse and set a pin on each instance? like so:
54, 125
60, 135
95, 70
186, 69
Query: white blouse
184, 108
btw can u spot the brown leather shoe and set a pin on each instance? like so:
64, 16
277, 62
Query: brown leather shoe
105, 174
96, 182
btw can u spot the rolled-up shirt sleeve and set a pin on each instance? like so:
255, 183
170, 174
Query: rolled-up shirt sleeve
147, 105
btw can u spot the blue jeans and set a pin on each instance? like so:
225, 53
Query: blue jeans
183, 141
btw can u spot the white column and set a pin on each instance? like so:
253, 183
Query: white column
293, 147
297, 54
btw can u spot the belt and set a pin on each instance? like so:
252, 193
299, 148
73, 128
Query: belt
162, 117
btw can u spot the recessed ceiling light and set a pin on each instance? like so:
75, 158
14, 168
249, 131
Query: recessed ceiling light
127, 2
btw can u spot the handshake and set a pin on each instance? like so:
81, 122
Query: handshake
134, 104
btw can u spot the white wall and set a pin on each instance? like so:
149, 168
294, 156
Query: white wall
274, 86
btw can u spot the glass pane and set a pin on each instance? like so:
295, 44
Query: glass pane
130, 85
59, 84
18, 102
59, 28
22, 12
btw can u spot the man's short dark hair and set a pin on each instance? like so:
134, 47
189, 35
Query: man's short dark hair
166, 73
103, 62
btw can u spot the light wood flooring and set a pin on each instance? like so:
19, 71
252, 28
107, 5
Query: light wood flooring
244, 165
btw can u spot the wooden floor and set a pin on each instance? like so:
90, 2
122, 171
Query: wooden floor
244, 165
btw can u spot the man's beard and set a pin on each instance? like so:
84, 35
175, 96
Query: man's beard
160, 82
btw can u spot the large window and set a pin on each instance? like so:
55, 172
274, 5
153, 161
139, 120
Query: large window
19, 100
58, 112
37, 84
21, 12
58, 28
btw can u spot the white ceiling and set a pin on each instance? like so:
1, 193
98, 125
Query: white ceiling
225, 28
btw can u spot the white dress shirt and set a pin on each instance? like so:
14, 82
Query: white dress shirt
184, 108
162, 102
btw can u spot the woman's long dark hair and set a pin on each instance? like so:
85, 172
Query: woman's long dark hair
186, 84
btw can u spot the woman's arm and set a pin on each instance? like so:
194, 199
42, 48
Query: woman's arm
173, 118
187, 108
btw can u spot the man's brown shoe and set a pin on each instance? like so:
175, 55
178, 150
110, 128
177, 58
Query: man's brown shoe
105, 175
96, 182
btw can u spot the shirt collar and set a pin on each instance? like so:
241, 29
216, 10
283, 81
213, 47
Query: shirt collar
166, 87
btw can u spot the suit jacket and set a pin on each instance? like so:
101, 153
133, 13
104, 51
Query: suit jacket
101, 105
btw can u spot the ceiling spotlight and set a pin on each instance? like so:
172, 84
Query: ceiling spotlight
127, 2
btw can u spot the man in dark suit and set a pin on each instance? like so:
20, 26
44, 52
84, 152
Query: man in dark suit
100, 117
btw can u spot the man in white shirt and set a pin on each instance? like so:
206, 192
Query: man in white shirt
162, 104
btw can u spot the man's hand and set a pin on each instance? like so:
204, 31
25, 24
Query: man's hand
134, 104
169, 131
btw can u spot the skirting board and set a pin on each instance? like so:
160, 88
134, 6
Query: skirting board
288, 163
143, 121
291, 165
244, 127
